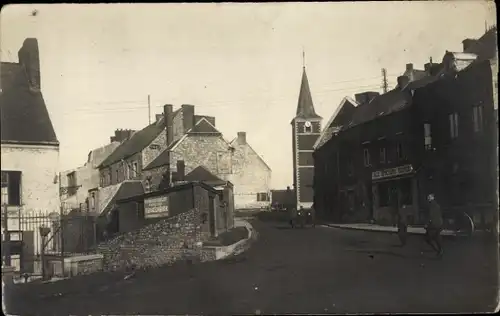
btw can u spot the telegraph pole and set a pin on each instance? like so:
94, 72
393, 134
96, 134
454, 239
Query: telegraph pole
149, 109
384, 80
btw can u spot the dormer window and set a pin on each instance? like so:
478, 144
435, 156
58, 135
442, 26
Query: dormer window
307, 127
154, 146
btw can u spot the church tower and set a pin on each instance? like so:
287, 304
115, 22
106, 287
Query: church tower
306, 128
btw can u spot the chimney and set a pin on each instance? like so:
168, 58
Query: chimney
181, 170
188, 117
158, 117
122, 135
467, 44
427, 68
403, 82
242, 138
409, 67
365, 97
30, 60
169, 122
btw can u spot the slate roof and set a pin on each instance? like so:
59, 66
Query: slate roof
137, 142
486, 46
202, 174
327, 135
203, 126
421, 82
24, 115
384, 104
337, 120
305, 106
128, 188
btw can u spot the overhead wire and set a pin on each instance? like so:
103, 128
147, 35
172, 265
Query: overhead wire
216, 104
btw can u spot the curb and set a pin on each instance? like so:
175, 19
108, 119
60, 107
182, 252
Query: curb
411, 231
222, 252
393, 230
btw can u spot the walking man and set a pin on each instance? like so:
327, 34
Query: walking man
402, 226
435, 225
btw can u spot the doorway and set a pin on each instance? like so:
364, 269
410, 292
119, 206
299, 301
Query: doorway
211, 215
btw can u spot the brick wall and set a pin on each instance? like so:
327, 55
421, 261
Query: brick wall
156, 244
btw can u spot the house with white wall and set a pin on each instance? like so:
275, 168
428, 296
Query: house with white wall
251, 175
29, 146
76, 183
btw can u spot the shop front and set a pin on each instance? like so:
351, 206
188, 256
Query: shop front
393, 189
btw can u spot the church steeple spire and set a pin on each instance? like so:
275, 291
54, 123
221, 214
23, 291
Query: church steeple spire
305, 106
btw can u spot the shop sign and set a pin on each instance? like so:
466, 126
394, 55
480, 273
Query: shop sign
156, 207
392, 172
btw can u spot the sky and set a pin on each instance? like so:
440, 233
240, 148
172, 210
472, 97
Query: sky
241, 63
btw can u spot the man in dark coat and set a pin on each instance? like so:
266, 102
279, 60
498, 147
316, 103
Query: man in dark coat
435, 225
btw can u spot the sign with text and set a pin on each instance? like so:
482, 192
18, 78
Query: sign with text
156, 206
392, 172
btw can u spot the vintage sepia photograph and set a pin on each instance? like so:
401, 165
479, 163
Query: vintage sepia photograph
249, 158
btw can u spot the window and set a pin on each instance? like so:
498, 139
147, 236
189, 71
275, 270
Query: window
117, 175
101, 181
477, 118
126, 170
400, 150
307, 127
453, 118
366, 157
11, 187
154, 146
382, 155
134, 169
262, 197
71, 183
427, 136
92, 200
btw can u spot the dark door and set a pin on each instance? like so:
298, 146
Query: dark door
211, 214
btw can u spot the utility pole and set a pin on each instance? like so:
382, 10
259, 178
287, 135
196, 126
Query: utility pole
149, 109
384, 80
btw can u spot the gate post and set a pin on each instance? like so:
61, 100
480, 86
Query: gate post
44, 232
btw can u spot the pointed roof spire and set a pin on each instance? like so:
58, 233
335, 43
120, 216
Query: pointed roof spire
303, 58
305, 106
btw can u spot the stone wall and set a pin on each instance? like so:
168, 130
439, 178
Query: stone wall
201, 150
159, 243
150, 153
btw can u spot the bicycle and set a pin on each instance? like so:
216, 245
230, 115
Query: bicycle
462, 224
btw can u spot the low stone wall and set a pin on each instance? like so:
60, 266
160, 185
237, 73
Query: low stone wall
85, 264
156, 244
217, 253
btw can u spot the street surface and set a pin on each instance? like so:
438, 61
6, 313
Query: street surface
321, 270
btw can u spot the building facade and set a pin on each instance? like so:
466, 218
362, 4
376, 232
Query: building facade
29, 148
306, 129
251, 176
393, 151
76, 183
